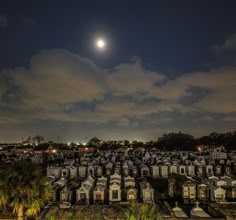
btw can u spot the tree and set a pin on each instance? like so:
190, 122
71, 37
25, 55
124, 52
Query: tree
37, 139
136, 144
174, 141
126, 143
51, 142
43, 146
94, 142
24, 188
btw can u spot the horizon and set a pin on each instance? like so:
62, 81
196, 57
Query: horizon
85, 140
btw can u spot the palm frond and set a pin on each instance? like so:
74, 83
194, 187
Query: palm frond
18, 206
4, 197
34, 207
23, 184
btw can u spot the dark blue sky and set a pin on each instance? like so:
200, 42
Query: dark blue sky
173, 36
174, 40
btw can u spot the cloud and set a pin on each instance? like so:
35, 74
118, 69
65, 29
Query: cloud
60, 86
3, 85
230, 118
3, 21
220, 84
228, 45
133, 78
58, 77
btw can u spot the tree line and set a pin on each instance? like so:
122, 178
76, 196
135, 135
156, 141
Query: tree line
172, 141
169, 141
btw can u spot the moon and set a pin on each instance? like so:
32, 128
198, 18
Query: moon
100, 44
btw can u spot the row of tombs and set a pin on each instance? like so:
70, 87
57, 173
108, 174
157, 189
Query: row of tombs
103, 191
142, 170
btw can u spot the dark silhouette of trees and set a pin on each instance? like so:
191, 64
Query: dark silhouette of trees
37, 139
169, 141
176, 141
94, 142
217, 139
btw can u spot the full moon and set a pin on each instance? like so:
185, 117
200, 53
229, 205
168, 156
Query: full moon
100, 44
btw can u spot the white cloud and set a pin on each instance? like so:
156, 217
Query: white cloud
133, 78
56, 78
221, 84
57, 84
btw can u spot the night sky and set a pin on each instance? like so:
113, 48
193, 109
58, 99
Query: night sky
167, 66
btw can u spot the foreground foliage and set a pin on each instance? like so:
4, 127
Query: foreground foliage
133, 211
142, 212
23, 189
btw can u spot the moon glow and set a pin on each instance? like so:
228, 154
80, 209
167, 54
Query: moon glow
100, 44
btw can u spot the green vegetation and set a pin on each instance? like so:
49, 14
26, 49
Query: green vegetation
142, 212
23, 189
133, 211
